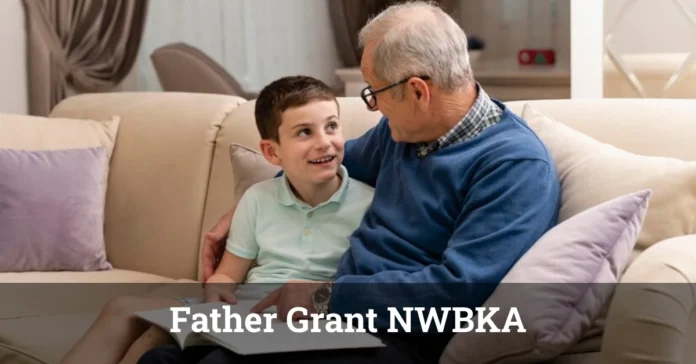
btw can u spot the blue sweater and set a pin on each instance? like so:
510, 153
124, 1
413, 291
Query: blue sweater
442, 231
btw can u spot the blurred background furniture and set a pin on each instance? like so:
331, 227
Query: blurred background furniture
503, 79
649, 49
183, 68
650, 75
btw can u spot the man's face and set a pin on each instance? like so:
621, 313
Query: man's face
407, 120
310, 148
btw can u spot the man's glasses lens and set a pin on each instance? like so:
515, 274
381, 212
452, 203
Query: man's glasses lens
369, 99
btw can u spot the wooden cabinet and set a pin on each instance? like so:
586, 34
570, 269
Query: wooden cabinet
506, 80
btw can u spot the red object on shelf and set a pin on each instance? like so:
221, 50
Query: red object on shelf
536, 56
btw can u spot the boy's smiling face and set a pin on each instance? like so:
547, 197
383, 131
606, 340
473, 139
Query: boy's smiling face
310, 147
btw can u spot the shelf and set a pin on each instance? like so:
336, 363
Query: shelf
503, 79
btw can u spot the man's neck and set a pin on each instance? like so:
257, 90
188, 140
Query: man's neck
452, 108
314, 195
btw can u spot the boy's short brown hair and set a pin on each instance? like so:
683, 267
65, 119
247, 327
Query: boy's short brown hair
283, 94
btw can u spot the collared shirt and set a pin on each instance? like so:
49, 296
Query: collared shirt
288, 238
483, 113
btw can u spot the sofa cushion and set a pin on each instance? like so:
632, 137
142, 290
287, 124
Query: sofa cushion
107, 276
592, 172
560, 287
47, 329
41, 339
53, 181
70, 291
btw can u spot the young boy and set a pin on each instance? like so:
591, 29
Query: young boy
295, 227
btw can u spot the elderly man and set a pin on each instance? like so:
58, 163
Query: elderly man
463, 188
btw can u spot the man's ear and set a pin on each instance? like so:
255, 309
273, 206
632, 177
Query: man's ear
420, 91
269, 149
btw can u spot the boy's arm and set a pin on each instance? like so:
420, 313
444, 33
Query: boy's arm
233, 267
241, 249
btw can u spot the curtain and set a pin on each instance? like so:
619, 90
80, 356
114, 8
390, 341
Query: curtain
82, 45
349, 16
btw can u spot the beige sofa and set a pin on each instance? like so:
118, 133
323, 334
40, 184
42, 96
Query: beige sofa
171, 179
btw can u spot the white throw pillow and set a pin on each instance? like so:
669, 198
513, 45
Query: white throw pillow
592, 172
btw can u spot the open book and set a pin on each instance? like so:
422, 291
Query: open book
232, 327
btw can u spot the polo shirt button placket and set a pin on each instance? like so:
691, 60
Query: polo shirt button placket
308, 231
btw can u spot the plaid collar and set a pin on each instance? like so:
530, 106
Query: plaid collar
483, 113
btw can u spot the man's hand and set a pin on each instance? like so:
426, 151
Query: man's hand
214, 245
291, 295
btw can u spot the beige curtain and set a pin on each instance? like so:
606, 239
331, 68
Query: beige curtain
349, 16
82, 45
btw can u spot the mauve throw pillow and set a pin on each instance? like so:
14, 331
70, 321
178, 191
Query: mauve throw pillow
250, 167
52, 210
560, 287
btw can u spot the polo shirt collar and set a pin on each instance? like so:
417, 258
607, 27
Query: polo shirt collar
286, 197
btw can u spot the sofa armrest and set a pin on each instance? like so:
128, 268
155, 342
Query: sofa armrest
649, 317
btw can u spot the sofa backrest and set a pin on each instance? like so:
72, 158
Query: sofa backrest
653, 127
159, 172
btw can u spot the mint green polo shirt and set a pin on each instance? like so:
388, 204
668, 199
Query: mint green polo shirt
288, 238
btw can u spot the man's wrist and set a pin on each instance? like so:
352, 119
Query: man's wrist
321, 299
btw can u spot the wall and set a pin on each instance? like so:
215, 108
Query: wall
510, 25
13, 65
653, 39
651, 26
257, 41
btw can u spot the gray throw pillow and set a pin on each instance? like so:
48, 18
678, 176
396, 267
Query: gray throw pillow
560, 287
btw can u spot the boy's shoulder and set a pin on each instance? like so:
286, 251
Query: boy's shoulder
260, 192
357, 185
357, 190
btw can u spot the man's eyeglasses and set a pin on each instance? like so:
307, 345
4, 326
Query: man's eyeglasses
368, 94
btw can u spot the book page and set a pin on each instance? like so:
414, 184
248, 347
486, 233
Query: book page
163, 319
283, 339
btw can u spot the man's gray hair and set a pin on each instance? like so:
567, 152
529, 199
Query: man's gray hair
418, 39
